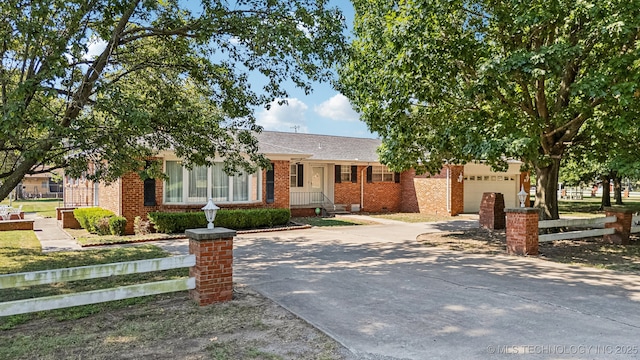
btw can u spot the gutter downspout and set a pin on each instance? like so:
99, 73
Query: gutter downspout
448, 190
362, 187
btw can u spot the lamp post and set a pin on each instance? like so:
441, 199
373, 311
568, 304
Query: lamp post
210, 211
522, 196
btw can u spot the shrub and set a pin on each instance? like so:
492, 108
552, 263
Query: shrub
102, 226
166, 222
141, 227
233, 219
89, 217
117, 225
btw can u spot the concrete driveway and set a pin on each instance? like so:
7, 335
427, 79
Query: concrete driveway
384, 296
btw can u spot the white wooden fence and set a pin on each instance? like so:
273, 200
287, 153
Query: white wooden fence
576, 234
95, 272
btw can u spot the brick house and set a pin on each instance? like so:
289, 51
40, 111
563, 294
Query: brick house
308, 172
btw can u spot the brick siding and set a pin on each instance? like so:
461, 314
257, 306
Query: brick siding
348, 192
428, 194
10, 225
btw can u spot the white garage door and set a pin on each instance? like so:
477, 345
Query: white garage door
476, 185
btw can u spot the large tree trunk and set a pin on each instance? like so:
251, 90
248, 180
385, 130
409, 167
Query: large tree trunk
617, 189
606, 192
547, 190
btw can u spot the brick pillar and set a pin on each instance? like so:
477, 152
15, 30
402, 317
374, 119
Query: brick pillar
522, 231
213, 271
622, 226
492, 211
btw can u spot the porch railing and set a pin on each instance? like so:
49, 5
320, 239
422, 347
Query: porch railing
310, 199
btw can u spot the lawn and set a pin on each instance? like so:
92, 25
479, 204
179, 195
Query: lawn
321, 222
590, 206
43, 207
163, 326
20, 252
412, 217
85, 238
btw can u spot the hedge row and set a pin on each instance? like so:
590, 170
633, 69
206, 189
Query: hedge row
178, 222
100, 221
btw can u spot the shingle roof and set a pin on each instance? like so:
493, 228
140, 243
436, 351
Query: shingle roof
319, 147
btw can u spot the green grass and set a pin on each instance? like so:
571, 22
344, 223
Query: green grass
20, 252
43, 207
84, 238
591, 206
412, 217
319, 221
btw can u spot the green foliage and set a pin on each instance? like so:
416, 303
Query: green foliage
178, 222
117, 225
91, 219
87, 81
102, 226
450, 81
141, 227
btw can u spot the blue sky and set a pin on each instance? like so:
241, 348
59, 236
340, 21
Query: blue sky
324, 111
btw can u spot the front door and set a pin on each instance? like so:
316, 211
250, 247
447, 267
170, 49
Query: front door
317, 183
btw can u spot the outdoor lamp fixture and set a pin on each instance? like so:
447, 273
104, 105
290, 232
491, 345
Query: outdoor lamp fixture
460, 177
210, 211
522, 195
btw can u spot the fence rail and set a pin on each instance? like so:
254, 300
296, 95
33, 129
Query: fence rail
575, 222
95, 272
95, 296
635, 224
547, 224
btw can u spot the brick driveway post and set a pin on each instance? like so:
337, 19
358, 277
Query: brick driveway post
522, 231
213, 270
622, 225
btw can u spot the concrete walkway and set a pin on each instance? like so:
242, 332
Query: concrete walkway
384, 296
51, 236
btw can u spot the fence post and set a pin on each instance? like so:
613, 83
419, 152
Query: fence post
622, 225
492, 211
522, 231
213, 271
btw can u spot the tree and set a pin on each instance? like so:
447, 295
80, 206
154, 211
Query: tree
113, 82
451, 81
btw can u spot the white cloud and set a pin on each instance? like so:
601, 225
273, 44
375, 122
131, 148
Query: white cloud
286, 117
94, 48
337, 108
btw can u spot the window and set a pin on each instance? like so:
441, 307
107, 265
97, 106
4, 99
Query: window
195, 186
241, 187
296, 175
219, 184
381, 174
345, 173
174, 182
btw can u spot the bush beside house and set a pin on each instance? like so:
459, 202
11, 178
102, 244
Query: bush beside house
177, 222
100, 221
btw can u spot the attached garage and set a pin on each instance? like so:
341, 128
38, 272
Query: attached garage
479, 178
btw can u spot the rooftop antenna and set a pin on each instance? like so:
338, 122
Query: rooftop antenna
295, 128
